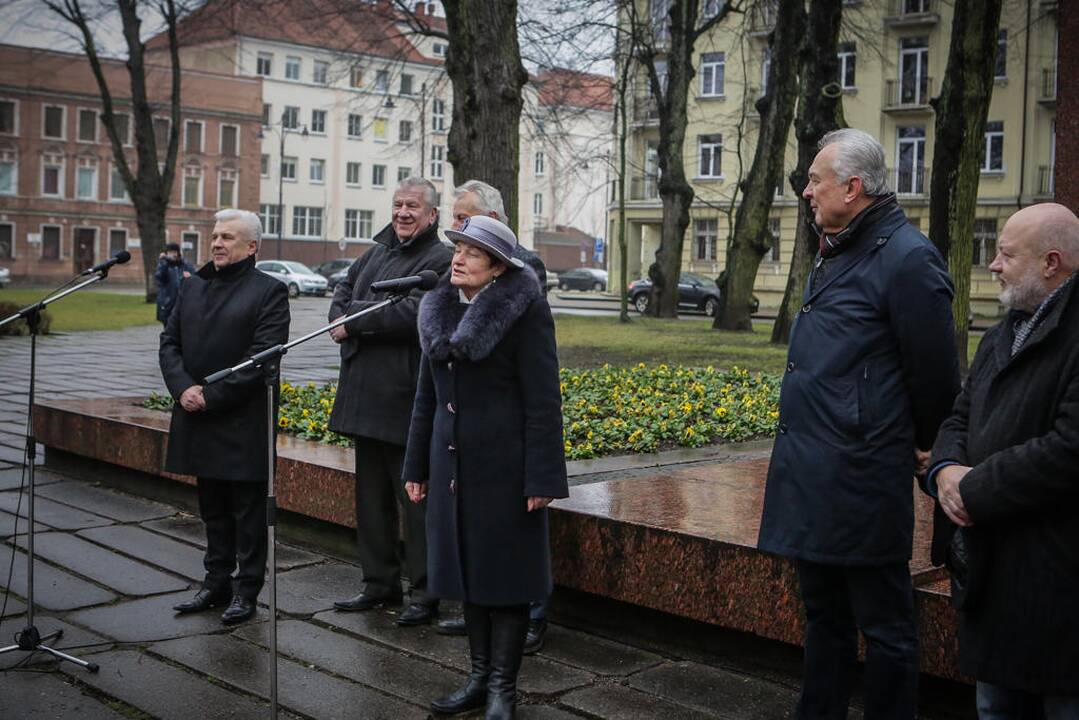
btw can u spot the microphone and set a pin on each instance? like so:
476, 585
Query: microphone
425, 280
118, 259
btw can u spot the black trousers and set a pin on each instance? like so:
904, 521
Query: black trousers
381, 505
235, 516
839, 602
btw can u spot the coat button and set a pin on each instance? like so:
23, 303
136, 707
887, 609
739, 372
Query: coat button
449, 366
453, 486
783, 428
451, 448
451, 408
790, 366
806, 307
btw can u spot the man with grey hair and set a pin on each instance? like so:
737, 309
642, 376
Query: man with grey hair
380, 358
476, 197
871, 374
1006, 471
226, 312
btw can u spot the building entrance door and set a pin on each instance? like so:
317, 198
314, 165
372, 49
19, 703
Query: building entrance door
85, 239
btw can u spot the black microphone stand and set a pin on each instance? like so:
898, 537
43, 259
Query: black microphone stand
30, 639
269, 361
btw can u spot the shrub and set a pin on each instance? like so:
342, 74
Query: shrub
19, 327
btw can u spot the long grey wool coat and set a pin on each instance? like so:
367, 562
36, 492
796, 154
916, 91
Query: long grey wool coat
486, 434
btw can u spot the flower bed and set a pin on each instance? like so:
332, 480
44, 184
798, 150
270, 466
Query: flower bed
606, 411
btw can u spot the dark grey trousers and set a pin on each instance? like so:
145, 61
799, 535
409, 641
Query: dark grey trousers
235, 516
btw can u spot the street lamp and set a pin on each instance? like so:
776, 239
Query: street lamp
283, 129
389, 105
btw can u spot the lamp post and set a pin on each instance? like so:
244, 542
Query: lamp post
389, 105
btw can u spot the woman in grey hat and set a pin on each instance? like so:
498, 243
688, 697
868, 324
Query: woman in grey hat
485, 449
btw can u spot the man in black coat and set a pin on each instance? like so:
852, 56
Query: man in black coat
380, 356
871, 374
1006, 469
226, 312
172, 269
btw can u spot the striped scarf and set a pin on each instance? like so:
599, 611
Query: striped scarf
1025, 327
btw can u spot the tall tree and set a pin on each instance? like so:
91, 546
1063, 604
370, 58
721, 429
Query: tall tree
149, 185
752, 238
624, 62
820, 110
961, 111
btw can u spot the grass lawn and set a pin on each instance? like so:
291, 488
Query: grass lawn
588, 342
88, 310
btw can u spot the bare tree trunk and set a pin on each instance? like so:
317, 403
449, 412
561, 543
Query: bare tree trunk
625, 59
820, 110
751, 233
484, 64
961, 111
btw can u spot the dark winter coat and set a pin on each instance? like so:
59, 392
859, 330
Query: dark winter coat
1016, 423
486, 434
169, 275
871, 374
380, 358
221, 319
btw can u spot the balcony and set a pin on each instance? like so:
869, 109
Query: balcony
1047, 88
644, 187
908, 96
911, 13
910, 181
762, 19
1045, 181
645, 110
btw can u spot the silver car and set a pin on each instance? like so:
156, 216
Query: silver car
300, 279
5, 277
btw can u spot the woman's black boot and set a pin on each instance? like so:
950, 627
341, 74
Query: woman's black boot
473, 694
509, 627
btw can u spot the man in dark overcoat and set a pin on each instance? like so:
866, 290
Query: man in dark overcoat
380, 357
226, 312
871, 373
1006, 469
172, 269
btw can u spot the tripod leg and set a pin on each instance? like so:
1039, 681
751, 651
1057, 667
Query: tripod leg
91, 666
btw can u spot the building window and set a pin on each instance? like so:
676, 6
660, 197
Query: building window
192, 187
539, 163
264, 165
292, 68
230, 140
358, 224
352, 174
271, 219
355, 125
52, 176
264, 64
267, 114
438, 49
117, 191
117, 240
711, 155
848, 62
318, 121
9, 173
227, 190
86, 179
318, 170
121, 122
162, 131
53, 122
403, 173
356, 76
1001, 68
50, 242
7, 241
193, 137
993, 155
307, 221
913, 71
773, 230
290, 118
7, 117
705, 234
537, 204
910, 155
712, 71
378, 175
378, 129
438, 115
320, 74
382, 81
438, 155
288, 169
406, 84
404, 131
985, 242
88, 126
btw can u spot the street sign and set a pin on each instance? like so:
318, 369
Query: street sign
597, 251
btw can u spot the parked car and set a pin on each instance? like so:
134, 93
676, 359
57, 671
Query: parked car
300, 279
5, 277
338, 277
694, 293
328, 268
583, 279
552, 281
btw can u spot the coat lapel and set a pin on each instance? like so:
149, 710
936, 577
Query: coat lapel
876, 237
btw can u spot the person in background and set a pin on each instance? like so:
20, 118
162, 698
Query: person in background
171, 270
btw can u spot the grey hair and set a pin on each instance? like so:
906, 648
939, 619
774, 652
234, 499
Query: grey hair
251, 223
430, 194
861, 156
488, 199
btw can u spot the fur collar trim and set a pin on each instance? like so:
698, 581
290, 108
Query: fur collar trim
450, 329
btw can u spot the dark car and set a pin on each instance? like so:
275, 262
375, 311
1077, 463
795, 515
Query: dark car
583, 279
328, 268
694, 293
337, 277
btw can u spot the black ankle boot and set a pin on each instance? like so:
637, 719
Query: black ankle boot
473, 694
509, 626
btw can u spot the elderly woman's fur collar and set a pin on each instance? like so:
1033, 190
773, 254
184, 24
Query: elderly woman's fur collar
451, 329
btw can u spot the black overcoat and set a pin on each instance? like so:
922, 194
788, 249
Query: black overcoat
380, 358
871, 373
1016, 423
486, 434
221, 319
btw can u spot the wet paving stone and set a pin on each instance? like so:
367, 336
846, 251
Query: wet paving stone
617, 702
12, 478
603, 657
46, 696
74, 641
191, 530
105, 502
114, 571
174, 556
725, 694
51, 513
300, 689
152, 619
8, 526
55, 589
308, 590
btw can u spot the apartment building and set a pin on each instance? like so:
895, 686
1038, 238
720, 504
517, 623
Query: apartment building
893, 55
63, 207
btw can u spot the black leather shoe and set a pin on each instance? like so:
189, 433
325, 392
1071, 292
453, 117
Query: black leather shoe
365, 601
417, 614
537, 629
240, 610
204, 599
452, 626
470, 697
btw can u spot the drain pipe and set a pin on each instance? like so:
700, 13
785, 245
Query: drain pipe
1026, 111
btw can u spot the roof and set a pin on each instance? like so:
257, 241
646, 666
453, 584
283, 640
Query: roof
560, 87
562, 235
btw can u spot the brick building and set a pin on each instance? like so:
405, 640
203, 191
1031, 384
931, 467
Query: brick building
63, 206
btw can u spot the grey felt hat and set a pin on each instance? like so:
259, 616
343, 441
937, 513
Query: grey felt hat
491, 235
